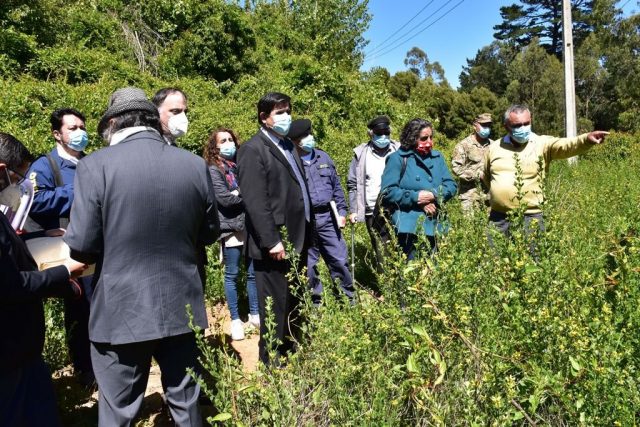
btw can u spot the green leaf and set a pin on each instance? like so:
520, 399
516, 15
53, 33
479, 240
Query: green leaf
574, 364
412, 366
224, 416
420, 331
532, 268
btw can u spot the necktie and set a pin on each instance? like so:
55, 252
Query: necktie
287, 147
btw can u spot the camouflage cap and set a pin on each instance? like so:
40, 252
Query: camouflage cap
483, 118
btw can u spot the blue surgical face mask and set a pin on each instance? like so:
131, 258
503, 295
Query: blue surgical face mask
484, 132
78, 140
308, 143
381, 141
281, 124
228, 150
521, 134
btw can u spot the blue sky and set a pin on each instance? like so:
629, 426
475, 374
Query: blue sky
465, 27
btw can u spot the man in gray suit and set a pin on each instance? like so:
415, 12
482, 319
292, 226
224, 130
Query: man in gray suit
141, 209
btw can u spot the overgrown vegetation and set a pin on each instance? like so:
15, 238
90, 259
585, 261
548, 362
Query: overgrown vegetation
477, 335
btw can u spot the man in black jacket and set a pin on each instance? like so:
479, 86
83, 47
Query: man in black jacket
276, 197
26, 390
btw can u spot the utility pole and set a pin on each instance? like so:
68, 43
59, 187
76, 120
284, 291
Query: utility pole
569, 80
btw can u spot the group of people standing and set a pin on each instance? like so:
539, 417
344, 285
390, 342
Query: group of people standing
143, 210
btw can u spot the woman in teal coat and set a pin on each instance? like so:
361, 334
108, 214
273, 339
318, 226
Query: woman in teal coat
416, 182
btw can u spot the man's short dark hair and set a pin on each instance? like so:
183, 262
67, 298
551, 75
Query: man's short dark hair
162, 94
12, 152
269, 101
136, 118
56, 117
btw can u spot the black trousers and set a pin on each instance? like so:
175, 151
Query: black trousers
76, 325
380, 237
26, 396
271, 281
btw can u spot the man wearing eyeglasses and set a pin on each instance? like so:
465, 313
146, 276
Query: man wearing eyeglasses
365, 176
468, 163
533, 153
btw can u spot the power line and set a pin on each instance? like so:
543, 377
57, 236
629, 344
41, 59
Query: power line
377, 50
418, 33
401, 27
624, 4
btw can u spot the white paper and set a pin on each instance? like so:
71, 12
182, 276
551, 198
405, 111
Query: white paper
50, 252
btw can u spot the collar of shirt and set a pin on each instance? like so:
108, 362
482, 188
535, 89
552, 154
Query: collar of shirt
308, 157
274, 140
66, 156
120, 135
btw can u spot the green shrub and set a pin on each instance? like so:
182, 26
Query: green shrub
479, 334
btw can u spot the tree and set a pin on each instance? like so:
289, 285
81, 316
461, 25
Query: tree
621, 60
488, 69
331, 30
401, 84
542, 19
537, 81
418, 63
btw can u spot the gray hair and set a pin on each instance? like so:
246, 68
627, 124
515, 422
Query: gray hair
515, 108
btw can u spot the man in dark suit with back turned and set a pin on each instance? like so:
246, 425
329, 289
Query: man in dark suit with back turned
141, 209
275, 194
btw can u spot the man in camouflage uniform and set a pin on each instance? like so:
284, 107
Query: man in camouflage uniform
468, 163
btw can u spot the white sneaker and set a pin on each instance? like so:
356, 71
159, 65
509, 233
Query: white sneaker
254, 319
237, 330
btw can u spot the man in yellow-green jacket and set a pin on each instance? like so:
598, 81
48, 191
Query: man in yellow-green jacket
533, 153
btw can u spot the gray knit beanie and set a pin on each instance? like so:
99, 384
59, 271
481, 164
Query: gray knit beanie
124, 100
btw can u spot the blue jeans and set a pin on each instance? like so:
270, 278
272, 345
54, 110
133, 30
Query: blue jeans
232, 257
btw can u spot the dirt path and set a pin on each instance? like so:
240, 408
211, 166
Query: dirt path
79, 408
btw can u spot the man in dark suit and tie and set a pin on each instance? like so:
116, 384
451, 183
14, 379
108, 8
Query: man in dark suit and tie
141, 209
275, 194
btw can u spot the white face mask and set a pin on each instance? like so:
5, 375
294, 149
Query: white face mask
178, 125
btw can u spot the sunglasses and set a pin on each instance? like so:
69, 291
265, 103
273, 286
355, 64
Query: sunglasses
382, 132
517, 125
426, 138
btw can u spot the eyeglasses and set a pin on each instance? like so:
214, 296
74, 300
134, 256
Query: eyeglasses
517, 125
426, 138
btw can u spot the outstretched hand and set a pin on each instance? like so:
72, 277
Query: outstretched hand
597, 136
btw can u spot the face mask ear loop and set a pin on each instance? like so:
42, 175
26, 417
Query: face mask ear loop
8, 179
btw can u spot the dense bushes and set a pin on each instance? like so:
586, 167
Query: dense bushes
478, 335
